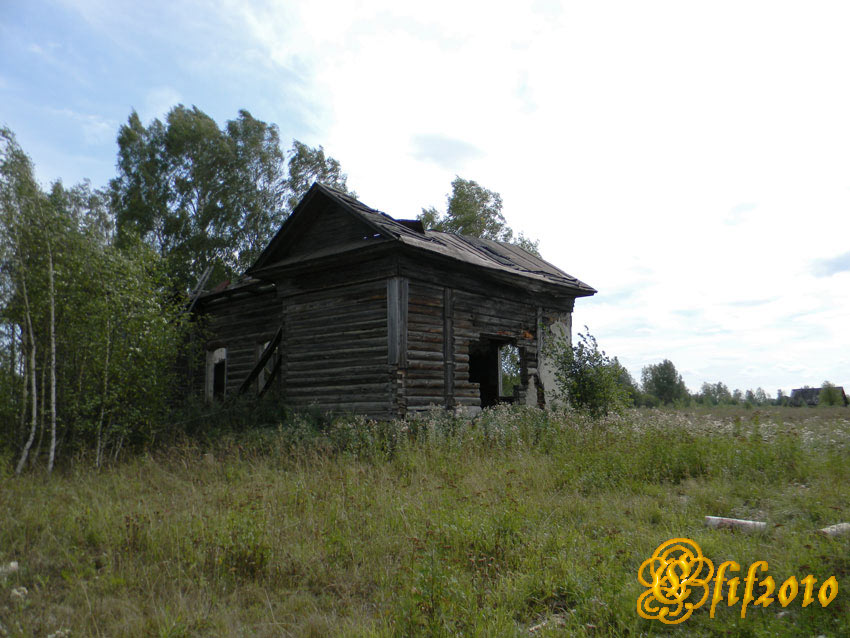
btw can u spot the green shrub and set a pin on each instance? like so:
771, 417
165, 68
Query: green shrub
830, 395
586, 377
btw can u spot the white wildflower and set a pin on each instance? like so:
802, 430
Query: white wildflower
19, 593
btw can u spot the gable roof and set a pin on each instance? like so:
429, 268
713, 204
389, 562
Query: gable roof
484, 253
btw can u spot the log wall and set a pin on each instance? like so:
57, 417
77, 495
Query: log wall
335, 350
443, 323
363, 339
239, 324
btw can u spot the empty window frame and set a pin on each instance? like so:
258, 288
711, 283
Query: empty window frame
510, 370
496, 365
216, 374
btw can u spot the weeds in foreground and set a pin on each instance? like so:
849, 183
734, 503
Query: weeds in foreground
517, 520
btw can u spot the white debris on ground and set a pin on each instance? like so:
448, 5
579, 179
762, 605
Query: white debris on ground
11, 568
839, 529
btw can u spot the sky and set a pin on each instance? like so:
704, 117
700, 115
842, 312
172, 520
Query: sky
690, 161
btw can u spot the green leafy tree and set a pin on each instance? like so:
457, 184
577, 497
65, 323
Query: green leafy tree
707, 395
663, 381
201, 196
830, 395
307, 165
475, 211
586, 377
209, 197
509, 368
627, 383
94, 334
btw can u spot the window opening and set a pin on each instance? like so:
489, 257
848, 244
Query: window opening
509, 370
496, 366
216, 373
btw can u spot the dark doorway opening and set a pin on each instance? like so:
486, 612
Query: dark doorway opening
219, 378
484, 370
494, 364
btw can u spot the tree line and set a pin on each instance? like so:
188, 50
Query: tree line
592, 381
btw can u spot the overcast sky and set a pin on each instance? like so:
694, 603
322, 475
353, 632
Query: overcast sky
691, 161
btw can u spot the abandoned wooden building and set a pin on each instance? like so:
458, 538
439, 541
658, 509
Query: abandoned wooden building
352, 311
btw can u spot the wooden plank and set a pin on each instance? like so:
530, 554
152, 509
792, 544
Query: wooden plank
342, 336
350, 314
262, 361
404, 294
380, 398
448, 347
274, 373
423, 355
377, 361
397, 310
370, 324
424, 328
355, 387
393, 320
339, 355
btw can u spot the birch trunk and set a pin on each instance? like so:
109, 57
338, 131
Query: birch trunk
31, 371
52, 362
101, 444
25, 386
36, 454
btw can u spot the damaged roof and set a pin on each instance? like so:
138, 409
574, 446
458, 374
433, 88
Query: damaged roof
485, 253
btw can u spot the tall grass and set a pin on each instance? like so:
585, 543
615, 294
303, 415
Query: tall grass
439, 526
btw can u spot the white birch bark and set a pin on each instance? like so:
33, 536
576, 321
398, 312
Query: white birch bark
28, 444
52, 456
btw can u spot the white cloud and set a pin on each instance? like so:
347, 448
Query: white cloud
158, 102
446, 152
95, 129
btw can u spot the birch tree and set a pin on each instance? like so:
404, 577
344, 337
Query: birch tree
99, 327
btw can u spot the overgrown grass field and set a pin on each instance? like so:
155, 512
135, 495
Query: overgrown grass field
519, 523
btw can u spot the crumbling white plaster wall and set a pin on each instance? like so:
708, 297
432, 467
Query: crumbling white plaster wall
554, 326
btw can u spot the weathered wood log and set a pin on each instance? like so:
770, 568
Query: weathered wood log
350, 354
352, 390
262, 361
375, 362
839, 529
301, 319
719, 522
